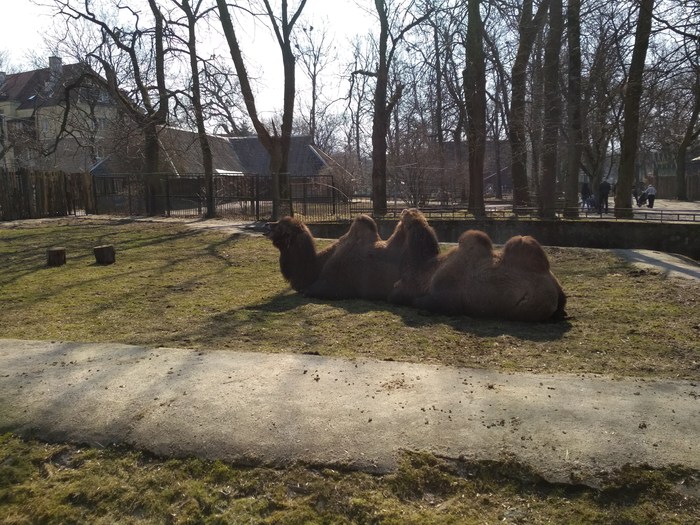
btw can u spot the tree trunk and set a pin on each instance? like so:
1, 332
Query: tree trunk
276, 145
575, 135
475, 96
204, 145
151, 167
691, 134
381, 117
552, 112
633, 95
528, 29
56, 256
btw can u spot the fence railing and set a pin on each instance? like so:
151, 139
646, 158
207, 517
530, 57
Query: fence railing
238, 196
27, 194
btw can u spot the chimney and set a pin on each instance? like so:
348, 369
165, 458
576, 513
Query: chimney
3, 78
55, 66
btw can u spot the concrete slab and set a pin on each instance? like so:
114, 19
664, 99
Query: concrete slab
280, 409
669, 264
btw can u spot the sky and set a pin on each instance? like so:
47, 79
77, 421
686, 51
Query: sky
23, 23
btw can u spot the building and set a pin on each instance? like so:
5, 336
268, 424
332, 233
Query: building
305, 159
33, 115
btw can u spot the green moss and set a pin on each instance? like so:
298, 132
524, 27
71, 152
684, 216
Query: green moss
55, 484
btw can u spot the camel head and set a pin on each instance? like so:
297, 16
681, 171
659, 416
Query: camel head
286, 232
298, 259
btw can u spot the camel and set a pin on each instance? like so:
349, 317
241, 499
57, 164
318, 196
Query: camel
359, 265
514, 284
408, 268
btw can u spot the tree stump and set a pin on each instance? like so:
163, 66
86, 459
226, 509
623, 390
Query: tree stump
104, 254
56, 256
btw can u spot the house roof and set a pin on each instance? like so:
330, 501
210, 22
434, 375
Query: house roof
304, 160
180, 154
183, 153
38, 87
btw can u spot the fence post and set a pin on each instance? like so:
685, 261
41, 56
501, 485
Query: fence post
333, 195
257, 196
167, 195
128, 193
304, 195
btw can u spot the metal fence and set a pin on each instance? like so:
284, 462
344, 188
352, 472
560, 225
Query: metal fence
26, 194
237, 196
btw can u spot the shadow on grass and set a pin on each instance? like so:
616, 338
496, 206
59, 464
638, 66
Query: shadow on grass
243, 320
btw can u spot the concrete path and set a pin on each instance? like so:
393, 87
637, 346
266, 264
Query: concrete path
280, 409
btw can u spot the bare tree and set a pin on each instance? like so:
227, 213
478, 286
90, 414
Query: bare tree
475, 95
529, 26
552, 111
682, 21
692, 132
316, 52
358, 109
573, 109
224, 109
633, 95
276, 144
132, 64
194, 13
383, 103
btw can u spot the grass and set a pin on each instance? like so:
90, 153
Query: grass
57, 484
173, 286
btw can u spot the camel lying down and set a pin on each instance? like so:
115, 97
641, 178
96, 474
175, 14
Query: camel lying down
471, 279
515, 283
359, 265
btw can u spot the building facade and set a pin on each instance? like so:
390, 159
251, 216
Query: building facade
54, 119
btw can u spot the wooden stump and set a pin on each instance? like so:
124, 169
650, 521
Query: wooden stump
104, 254
56, 256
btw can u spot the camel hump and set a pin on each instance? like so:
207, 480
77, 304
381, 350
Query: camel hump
526, 253
475, 243
363, 230
422, 239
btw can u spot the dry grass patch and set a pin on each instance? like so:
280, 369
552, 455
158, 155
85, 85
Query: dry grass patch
58, 484
173, 286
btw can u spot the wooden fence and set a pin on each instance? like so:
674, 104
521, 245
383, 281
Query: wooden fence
666, 187
31, 195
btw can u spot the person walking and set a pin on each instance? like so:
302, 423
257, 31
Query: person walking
651, 196
585, 195
603, 192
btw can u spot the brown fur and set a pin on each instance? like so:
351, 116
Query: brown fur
358, 265
515, 284
362, 265
470, 279
300, 263
419, 258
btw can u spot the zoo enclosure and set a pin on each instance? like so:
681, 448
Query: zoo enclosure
25, 194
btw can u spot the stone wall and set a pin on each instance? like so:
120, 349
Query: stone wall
681, 238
